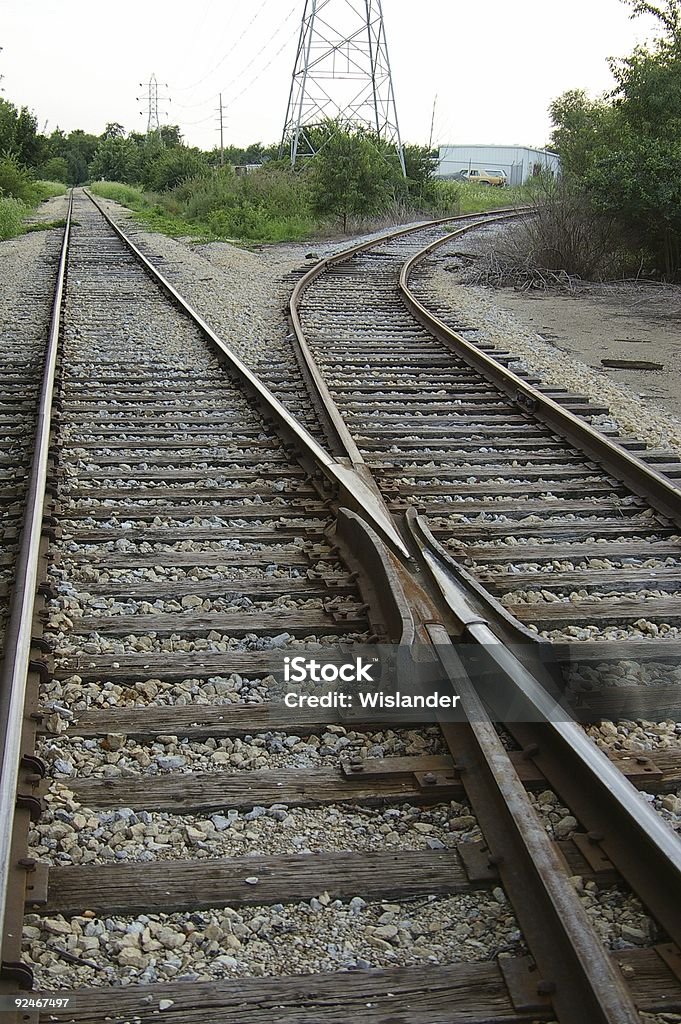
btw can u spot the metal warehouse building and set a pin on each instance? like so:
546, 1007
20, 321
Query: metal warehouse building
519, 162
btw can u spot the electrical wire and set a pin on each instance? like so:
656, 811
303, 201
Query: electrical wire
188, 88
259, 54
188, 48
231, 100
202, 120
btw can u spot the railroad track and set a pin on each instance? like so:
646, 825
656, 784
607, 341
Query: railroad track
530, 513
199, 535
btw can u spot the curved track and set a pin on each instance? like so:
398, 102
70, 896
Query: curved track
506, 473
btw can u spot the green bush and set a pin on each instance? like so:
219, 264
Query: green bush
173, 166
12, 213
116, 159
16, 181
624, 150
351, 176
269, 205
199, 197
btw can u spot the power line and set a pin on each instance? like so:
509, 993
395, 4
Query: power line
231, 100
188, 88
258, 74
256, 56
188, 48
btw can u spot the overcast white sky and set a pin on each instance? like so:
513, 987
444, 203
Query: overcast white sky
494, 64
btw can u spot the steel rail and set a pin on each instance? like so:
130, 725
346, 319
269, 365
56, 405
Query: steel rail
623, 465
576, 970
573, 966
334, 419
653, 839
588, 984
18, 637
356, 490
645, 851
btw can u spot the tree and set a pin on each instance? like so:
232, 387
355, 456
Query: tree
78, 149
255, 153
668, 14
113, 130
19, 134
15, 179
170, 135
55, 169
420, 163
349, 176
116, 159
625, 150
581, 128
647, 195
171, 166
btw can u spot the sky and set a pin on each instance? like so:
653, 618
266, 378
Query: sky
494, 65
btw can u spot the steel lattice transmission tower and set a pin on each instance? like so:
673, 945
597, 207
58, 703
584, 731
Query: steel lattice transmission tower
342, 72
152, 102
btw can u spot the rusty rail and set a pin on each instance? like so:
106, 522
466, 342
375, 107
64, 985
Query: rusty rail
623, 465
19, 634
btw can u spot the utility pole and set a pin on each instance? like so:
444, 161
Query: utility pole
222, 136
341, 73
432, 126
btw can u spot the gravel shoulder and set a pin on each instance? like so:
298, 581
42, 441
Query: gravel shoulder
563, 336
623, 321
50, 210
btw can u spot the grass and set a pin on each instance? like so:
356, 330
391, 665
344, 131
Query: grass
149, 212
270, 207
44, 225
469, 198
126, 195
49, 189
13, 212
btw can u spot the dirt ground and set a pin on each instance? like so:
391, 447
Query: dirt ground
624, 320
621, 321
